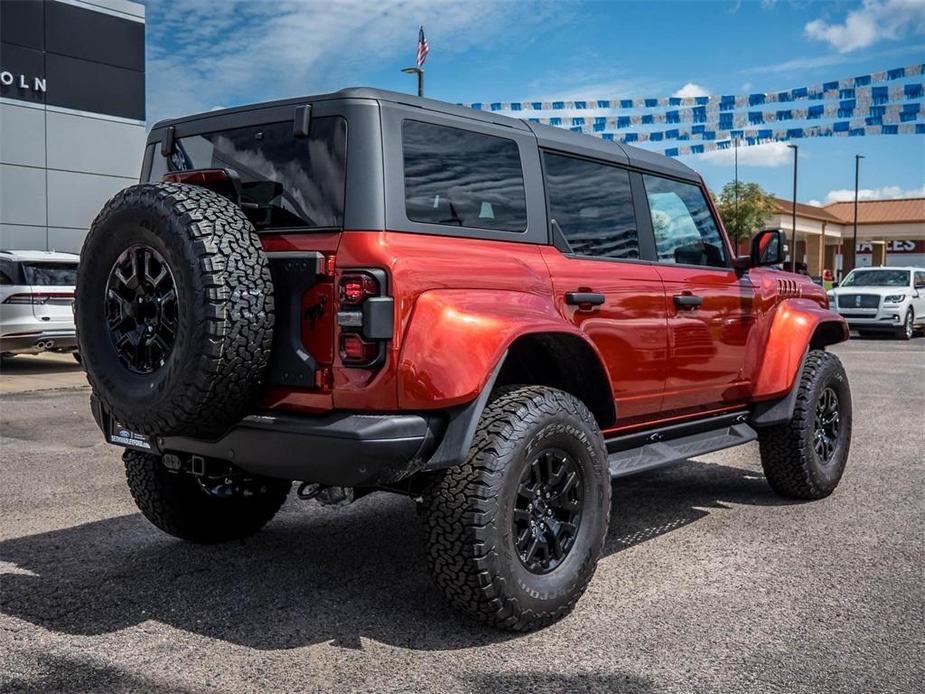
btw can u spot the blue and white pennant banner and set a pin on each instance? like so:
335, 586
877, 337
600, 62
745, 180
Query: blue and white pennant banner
852, 107
856, 108
861, 86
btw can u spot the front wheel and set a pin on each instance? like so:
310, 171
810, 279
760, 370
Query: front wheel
805, 457
515, 533
201, 509
908, 330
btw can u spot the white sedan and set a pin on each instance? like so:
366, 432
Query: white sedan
36, 302
882, 299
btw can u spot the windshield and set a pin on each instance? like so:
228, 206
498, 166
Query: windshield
50, 274
286, 181
877, 278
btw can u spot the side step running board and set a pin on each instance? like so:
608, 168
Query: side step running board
634, 453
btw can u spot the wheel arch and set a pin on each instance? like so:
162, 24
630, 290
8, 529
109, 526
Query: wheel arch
799, 326
555, 359
563, 361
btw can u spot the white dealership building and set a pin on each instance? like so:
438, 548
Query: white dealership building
72, 115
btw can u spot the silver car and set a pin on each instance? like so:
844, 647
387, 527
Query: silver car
882, 299
36, 302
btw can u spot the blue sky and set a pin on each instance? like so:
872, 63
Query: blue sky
204, 54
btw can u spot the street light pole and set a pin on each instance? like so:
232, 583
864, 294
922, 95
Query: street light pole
854, 236
793, 237
736, 153
419, 71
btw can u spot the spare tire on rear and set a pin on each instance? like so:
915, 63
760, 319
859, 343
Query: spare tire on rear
174, 310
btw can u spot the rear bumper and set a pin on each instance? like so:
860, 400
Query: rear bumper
40, 341
341, 449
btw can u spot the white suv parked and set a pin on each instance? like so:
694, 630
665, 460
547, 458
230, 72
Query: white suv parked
882, 299
36, 302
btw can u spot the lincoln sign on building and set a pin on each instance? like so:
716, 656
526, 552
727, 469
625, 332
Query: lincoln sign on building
72, 115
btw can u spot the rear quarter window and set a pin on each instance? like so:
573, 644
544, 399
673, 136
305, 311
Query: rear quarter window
462, 178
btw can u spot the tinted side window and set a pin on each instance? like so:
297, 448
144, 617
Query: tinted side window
685, 232
592, 205
462, 178
919, 279
7, 272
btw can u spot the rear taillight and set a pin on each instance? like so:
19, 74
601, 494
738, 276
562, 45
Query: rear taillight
354, 349
365, 317
357, 288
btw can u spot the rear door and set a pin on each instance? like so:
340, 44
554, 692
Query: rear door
709, 304
52, 285
601, 284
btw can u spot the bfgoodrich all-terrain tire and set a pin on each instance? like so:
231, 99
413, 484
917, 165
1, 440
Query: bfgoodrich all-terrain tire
514, 534
174, 309
182, 505
805, 457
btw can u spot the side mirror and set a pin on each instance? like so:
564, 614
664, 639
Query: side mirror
767, 248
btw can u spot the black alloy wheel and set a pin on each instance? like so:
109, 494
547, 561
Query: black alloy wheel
142, 309
825, 426
547, 510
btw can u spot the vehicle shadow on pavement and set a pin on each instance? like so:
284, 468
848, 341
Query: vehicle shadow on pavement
313, 575
36, 365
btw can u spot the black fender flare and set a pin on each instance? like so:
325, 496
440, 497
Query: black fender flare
461, 426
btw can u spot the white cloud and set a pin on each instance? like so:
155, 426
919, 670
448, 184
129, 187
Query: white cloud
690, 89
207, 52
884, 193
873, 21
811, 63
767, 155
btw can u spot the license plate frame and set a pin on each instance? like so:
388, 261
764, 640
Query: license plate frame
123, 436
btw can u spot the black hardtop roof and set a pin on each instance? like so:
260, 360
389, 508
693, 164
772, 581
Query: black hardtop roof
548, 136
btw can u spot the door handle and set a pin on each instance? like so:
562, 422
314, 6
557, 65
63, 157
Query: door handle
583, 299
687, 301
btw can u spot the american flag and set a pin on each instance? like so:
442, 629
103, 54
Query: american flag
423, 48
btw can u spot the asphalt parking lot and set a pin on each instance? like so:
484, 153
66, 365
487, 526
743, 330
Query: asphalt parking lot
709, 581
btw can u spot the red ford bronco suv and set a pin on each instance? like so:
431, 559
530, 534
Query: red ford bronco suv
366, 291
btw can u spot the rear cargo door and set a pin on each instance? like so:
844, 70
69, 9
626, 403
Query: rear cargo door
52, 286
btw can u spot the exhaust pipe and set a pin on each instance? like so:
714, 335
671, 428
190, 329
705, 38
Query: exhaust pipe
45, 344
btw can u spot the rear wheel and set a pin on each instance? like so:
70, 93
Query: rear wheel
515, 533
805, 457
201, 509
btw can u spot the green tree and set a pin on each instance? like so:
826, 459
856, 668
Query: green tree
752, 212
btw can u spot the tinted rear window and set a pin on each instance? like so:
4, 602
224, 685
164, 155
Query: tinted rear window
50, 274
462, 178
286, 181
